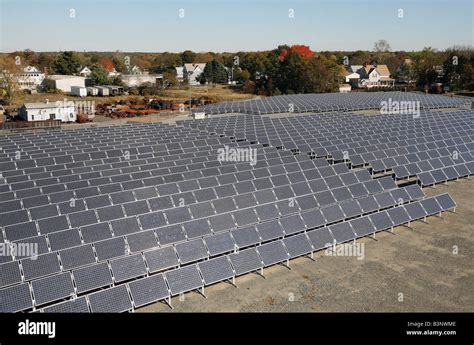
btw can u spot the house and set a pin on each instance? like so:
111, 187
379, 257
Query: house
179, 74
64, 111
113, 73
193, 71
64, 82
133, 80
30, 78
370, 76
136, 70
352, 77
85, 72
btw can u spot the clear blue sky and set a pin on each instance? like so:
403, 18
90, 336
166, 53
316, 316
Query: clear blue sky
232, 25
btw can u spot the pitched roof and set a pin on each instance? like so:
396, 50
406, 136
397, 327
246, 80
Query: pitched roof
381, 69
191, 67
355, 68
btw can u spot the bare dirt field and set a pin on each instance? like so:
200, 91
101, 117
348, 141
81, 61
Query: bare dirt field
415, 269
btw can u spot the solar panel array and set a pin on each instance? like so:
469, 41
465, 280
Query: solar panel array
434, 146
330, 102
124, 216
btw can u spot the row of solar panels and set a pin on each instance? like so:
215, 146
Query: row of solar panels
429, 119
79, 154
192, 250
202, 180
329, 102
113, 139
76, 214
152, 288
347, 186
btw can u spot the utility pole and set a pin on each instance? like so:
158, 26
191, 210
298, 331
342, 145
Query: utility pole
190, 94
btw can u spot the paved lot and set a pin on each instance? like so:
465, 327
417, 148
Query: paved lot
414, 269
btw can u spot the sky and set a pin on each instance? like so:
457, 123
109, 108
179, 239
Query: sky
232, 25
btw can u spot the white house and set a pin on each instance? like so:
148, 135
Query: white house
193, 71
135, 70
85, 72
179, 74
371, 76
64, 82
64, 111
30, 78
113, 73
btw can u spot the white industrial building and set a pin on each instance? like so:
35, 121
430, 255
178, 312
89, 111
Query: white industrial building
63, 111
78, 91
30, 78
92, 91
64, 82
103, 91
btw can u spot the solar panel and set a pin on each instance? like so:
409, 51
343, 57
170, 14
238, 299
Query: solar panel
77, 256
245, 261
332, 213
293, 224
78, 305
270, 230
313, 219
431, 206
191, 251
92, 277
142, 240
297, 245
161, 259
445, 201
148, 290
273, 253
170, 234
362, 226
215, 270
381, 221
64, 239
128, 267
245, 217
111, 300
219, 243
246, 236
415, 211
110, 248
197, 228
15, 298
95, 232
52, 288
40, 266
342, 232
183, 279
9, 273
